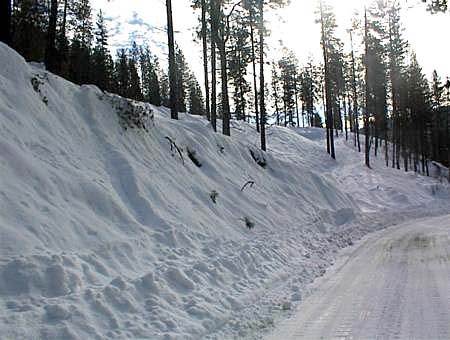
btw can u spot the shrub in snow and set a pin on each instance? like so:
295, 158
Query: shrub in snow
193, 158
174, 147
286, 305
131, 114
213, 195
36, 81
258, 157
249, 223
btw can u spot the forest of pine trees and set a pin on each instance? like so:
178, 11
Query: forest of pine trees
368, 84
65, 35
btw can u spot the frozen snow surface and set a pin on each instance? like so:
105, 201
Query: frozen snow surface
107, 233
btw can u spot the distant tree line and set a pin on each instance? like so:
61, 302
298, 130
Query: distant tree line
403, 116
63, 35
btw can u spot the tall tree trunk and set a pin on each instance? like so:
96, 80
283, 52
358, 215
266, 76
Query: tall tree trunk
205, 60
296, 102
214, 29
261, 76
50, 49
241, 87
447, 135
386, 148
366, 113
355, 97
172, 66
5, 21
345, 116
63, 26
255, 86
326, 120
328, 99
224, 81
277, 110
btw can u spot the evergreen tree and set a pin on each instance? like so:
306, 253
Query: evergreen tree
182, 71
276, 92
377, 70
50, 49
397, 48
309, 93
251, 8
149, 67
134, 88
288, 66
196, 102
240, 56
165, 91
172, 67
30, 23
327, 21
5, 21
80, 59
62, 42
102, 63
122, 73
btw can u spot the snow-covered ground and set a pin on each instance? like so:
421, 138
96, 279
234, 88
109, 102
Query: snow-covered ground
107, 233
394, 285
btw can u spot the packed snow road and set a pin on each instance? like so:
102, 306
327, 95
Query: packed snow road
394, 285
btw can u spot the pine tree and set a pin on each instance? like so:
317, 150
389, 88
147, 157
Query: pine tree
50, 49
309, 93
288, 66
165, 89
419, 108
5, 21
276, 92
239, 59
80, 59
182, 71
151, 87
328, 25
102, 64
253, 19
205, 57
196, 101
172, 67
122, 73
367, 91
377, 70
355, 106
62, 42
397, 52
30, 23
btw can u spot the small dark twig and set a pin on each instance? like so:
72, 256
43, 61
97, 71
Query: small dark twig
173, 145
251, 183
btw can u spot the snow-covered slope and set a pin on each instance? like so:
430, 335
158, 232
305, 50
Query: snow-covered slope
108, 233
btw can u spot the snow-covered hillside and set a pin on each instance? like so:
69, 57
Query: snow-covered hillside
108, 233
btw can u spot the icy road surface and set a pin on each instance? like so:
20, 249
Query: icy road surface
394, 285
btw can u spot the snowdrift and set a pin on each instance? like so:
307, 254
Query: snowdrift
108, 232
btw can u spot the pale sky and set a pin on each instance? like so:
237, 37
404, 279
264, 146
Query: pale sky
145, 21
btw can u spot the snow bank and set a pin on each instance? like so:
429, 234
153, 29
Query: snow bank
111, 233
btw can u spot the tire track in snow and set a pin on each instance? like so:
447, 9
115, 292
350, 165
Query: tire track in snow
393, 286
